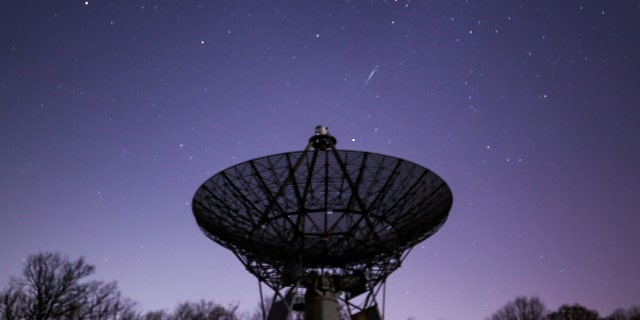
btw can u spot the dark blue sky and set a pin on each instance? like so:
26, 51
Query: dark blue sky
113, 113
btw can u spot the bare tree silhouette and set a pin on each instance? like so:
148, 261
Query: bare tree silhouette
522, 308
573, 312
51, 288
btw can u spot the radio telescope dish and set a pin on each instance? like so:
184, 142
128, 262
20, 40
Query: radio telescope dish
335, 221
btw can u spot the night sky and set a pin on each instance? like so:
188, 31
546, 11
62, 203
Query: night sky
112, 113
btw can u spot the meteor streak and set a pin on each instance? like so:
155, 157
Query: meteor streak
375, 69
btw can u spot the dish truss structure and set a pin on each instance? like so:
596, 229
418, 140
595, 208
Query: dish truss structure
323, 228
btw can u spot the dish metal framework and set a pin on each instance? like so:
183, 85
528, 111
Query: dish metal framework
350, 215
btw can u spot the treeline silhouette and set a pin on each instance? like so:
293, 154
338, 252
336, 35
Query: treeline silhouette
523, 308
54, 287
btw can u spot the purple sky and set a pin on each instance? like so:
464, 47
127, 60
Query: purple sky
113, 113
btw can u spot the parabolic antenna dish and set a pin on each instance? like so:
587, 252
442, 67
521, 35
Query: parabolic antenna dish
351, 211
